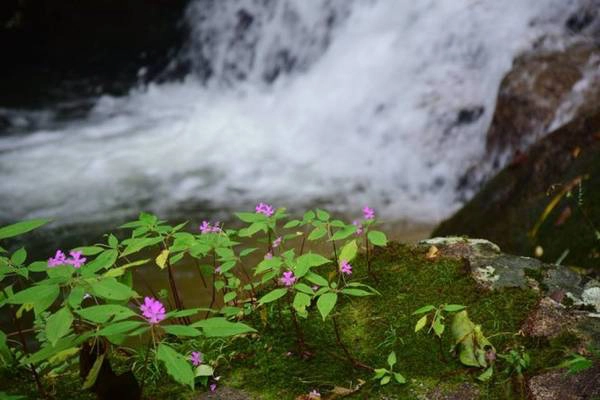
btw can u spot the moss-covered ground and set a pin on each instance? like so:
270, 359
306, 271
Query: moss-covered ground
267, 367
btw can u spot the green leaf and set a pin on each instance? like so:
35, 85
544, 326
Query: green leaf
349, 251
273, 295
185, 313
106, 312
385, 380
380, 373
76, 297
253, 228
377, 238
89, 250
181, 330
229, 297
399, 378
135, 245
19, 256
421, 323
292, 224
325, 303
41, 297
113, 242
105, 260
438, 327
161, 260
486, 375
308, 216
250, 217
317, 233
391, 360
356, 292
6, 357
343, 233
21, 227
424, 309
220, 327
91, 377
110, 289
307, 261
322, 215
58, 325
204, 370
38, 266
304, 288
177, 365
301, 301
268, 264
116, 272
317, 279
454, 307
119, 328
248, 251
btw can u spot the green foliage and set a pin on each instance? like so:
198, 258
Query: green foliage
385, 375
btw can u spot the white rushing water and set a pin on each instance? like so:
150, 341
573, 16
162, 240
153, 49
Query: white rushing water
338, 103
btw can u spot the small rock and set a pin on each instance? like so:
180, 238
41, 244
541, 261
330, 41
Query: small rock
548, 319
560, 385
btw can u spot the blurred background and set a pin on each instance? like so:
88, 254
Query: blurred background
194, 108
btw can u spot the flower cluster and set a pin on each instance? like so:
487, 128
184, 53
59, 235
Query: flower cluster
345, 267
288, 278
368, 212
265, 209
276, 242
207, 227
196, 358
60, 258
153, 310
359, 227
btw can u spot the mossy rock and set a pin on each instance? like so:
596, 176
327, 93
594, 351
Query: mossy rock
509, 208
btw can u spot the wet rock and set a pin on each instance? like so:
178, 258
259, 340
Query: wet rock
548, 319
532, 93
511, 204
559, 385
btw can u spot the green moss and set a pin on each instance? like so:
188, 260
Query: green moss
373, 327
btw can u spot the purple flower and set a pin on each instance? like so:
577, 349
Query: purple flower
268, 256
216, 228
265, 209
277, 242
76, 260
59, 259
205, 227
218, 269
346, 268
153, 310
213, 387
288, 278
359, 227
314, 395
196, 358
368, 212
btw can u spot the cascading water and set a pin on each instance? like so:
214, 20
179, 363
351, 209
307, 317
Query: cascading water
295, 102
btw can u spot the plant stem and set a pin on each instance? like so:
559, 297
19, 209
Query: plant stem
352, 360
178, 302
299, 333
36, 377
213, 295
146, 362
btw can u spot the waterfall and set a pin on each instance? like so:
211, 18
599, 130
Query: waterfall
339, 103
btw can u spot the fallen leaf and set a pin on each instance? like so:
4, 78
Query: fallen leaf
432, 253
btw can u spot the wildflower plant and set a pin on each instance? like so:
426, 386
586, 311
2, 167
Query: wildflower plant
385, 375
87, 296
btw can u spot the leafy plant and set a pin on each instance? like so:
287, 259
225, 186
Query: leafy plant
385, 375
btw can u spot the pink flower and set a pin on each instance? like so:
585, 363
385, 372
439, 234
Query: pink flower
153, 310
359, 227
196, 358
268, 256
218, 270
288, 278
59, 259
76, 260
346, 268
213, 387
265, 209
207, 227
315, 287
368, 212
277, 242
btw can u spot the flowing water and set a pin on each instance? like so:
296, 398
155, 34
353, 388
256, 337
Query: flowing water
338, 103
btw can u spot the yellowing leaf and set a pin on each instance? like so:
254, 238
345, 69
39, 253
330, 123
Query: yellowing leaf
161, 260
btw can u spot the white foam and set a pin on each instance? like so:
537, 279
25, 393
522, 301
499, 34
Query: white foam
366, 114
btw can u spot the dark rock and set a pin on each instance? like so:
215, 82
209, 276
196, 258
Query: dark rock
511, 205
469, 115
532, 92
559, 385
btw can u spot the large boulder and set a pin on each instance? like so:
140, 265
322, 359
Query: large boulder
546, 203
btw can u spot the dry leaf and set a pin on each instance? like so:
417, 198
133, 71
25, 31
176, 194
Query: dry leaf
432, 253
